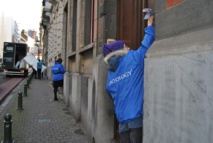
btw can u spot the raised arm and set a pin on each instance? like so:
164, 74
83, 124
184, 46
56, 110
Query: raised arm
149, 34
147, 41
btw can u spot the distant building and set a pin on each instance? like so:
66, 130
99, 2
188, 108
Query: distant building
8, 30
15, 31
24, 36
32, 34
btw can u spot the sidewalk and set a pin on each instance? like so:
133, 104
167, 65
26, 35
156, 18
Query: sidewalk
42, 120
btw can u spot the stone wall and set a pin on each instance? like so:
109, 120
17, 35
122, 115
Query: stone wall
178, 89
186, 16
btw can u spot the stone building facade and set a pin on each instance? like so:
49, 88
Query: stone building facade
178, 94
178, 74
70, 32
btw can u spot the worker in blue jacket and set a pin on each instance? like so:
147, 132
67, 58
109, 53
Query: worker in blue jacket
125, 83
58, 76
39, 68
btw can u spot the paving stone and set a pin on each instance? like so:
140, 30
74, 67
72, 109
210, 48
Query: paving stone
42, 120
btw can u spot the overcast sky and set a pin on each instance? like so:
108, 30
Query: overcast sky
26, 12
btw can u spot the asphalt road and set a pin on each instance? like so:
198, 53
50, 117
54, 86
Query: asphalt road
3, 78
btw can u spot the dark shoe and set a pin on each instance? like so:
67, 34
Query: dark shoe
55, 99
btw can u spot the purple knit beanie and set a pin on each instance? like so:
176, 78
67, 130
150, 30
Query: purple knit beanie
114, 46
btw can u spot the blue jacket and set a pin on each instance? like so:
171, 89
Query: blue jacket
125, 84
39, 65
58, 71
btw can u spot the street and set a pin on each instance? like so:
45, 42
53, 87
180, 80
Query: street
3, 78
7, 84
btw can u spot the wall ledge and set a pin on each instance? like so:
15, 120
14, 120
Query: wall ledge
191, 42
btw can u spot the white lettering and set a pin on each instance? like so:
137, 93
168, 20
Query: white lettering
121, 77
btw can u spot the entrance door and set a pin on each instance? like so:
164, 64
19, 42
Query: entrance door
130, 28
130, 23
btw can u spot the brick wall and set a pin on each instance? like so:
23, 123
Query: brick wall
170, 3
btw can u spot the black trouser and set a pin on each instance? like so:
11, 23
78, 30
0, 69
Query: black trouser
131, 136
34, 73
57, 84
55, 93
39, 73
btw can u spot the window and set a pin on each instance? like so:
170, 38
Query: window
89, 22
74, 25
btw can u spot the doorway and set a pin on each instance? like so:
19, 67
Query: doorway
130, 28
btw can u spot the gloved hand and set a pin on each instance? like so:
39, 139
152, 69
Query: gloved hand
149, 12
